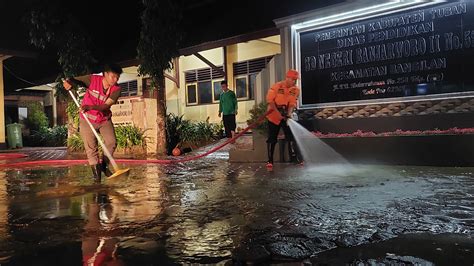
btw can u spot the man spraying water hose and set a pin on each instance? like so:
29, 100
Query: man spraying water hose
281, 98
102, 92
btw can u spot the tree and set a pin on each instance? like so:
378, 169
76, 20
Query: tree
160, 37
51, 26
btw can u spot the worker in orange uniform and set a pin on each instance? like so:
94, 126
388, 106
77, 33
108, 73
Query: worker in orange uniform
281, 98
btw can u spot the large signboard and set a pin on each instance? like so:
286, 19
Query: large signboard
427, 51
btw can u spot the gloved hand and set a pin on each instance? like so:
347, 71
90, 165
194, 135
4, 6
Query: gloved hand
283, 113
67, 84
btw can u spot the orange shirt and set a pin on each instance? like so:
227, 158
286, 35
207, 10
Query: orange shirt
280, 94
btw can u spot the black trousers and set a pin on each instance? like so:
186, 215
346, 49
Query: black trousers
273, 131
229, 124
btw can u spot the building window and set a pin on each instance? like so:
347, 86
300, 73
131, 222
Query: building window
205, 92
252, 85
245, 74
191, 93
241, 88
22, 113
129, 88
203, 86
217, 90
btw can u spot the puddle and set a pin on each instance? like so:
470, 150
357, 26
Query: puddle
210, 211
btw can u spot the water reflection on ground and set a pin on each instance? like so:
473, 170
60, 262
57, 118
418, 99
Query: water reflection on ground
211, 211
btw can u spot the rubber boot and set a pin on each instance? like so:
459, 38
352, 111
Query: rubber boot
270, 151
96, 172
292, 151
105, 166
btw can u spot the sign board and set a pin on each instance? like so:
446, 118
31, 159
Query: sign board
421, 52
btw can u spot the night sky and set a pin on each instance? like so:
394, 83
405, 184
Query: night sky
104, 20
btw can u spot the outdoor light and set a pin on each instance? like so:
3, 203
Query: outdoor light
361, 13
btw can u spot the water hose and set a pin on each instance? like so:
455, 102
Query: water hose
137, 161
9, 156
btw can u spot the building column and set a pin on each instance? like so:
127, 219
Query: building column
286, 49
2, 108
55, 108
231, 57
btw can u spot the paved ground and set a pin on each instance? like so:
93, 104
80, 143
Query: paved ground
41, 153
213, 211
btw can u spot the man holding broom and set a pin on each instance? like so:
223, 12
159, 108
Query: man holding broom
102, 92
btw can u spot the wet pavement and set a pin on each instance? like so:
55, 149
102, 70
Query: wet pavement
213, 212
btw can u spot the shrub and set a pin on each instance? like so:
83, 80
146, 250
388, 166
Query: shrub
47, 137
398, 132
75, 143
72, 112
36, 119
255, 113
129, 136
173, 124
180, 130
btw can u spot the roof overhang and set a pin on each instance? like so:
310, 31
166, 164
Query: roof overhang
10, 53
214, 44
4, 57
229, 41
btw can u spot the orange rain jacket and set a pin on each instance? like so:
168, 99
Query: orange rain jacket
281, 95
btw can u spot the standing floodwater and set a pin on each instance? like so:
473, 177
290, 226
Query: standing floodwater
210, 211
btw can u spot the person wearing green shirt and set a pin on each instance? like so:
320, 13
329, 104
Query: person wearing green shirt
228, 109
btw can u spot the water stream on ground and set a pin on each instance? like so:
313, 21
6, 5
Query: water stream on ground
315, 151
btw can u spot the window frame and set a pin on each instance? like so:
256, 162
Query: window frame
196, 91
25, 109
126, 92
246, 76
218, 80
251, 92
198, 95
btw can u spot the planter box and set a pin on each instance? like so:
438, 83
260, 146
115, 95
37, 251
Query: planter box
258, 153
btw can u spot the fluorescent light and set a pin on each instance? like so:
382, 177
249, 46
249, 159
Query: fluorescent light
361, 13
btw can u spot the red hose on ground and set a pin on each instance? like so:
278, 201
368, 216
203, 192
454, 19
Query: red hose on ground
7, 156
134, 161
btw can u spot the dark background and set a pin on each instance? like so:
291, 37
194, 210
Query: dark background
104, 20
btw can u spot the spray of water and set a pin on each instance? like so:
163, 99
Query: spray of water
314, 150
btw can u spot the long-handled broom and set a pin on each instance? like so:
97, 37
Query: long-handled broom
117, 171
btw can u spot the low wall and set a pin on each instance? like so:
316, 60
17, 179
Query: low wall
258, 152
432, 150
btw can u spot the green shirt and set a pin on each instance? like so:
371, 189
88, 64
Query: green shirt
227, 103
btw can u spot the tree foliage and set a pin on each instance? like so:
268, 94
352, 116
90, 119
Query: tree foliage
53, 26
160, 37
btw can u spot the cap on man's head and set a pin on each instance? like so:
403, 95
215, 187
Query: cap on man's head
292, 74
